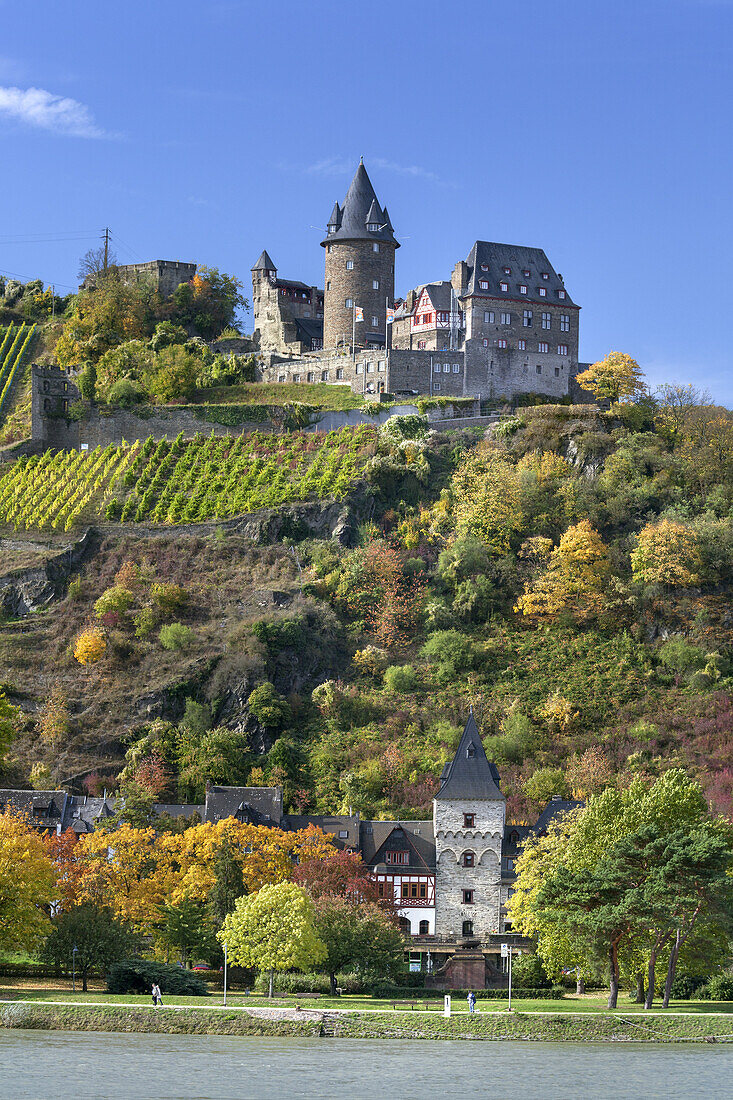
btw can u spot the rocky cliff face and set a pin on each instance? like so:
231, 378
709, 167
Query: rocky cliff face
30, 588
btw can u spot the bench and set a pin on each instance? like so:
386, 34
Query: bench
308, 995
412, 1005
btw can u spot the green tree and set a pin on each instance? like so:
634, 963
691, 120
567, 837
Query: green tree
10, 719
185, 926
229, 885
360, 933
99, 938
274, 930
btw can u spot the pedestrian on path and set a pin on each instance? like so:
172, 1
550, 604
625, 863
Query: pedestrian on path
471, 1001
157, 999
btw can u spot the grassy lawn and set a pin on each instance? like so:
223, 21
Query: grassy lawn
320, 394
585, 1004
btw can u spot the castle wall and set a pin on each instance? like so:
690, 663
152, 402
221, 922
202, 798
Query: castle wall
376, 371
452, 878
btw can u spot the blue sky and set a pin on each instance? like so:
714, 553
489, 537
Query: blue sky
208, 131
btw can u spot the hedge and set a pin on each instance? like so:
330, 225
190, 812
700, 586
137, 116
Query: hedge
138, 975
387, 992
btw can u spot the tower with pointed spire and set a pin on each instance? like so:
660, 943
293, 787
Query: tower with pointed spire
468, 825
360, 252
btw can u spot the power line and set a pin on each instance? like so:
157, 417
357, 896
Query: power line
28, 279
42, 240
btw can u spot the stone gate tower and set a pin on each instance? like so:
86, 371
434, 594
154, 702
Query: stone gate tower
468, 824
360, 250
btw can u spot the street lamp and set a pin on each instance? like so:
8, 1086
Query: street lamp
73, 967
225, 974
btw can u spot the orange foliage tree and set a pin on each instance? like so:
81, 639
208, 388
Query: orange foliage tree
380, 589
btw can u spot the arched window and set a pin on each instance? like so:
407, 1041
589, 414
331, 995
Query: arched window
405, 926
469, 859
424, 927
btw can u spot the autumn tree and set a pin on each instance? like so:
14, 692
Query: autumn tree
485, 496
576, 579
10, 720
274, 930
590, 773
54, 720
63, 850
107, 314
27, 884
667, 553
343, 874
377, 586
612, 378
90, 646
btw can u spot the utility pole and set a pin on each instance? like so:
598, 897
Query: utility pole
106, 246
53, 301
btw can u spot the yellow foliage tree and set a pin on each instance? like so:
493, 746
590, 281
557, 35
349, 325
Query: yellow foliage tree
575, 580
54, 719
90, 646
616, 376
486, 498
545, 465
667, 553
127, 870
274, 930
101, 318
27, 882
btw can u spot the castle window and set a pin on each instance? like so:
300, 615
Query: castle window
488, 317
501, 343
468, 928
370, 368
281, 378
328, 248
543, 292
397, 857
424, 928
469, 859
436, 368
421, 345
483, 284
349, 303
296, 378
311, 376
446, 368
504, 286
468, 897
359, 368
349, 265
486, 343
557, 372
561, 293
538, 369
339, 372
522, 289
324, 376
506, 318
375, 321
47, 387
564, 322
436, 386
522, 345
375, 246
382, 365
375, 284
527, 318
328, 285
562, 349
456, 368
546, 320
543, 347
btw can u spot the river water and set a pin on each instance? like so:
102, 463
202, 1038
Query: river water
35, 1065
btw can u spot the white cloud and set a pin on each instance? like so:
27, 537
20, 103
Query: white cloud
39, 108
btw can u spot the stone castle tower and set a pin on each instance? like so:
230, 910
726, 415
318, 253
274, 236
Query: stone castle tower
360, 251
468, 825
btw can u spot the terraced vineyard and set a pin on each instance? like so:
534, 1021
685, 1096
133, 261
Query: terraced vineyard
182, 481
14, 344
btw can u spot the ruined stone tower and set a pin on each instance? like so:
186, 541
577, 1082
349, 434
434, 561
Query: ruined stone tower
468, 824
360, 250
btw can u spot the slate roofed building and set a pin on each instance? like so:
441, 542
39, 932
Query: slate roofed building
44, 810
288, 313
253, 805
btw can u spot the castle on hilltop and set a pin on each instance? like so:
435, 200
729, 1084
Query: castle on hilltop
503, 324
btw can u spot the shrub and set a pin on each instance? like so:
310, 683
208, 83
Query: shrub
116, 599
176, 636
718, 988
371, 660
685, 986
679, 656
90, 646
400, 678
145, 622
268, 706
169, 597
451, 651
138, 975
125, 392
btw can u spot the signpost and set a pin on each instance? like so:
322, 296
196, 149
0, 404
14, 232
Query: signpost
506, 952
446, 1005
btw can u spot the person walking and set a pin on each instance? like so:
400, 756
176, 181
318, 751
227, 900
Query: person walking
471, 1001
157, 999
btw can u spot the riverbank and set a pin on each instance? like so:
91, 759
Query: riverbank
309, 1023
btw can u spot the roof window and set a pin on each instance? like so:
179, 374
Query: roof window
545, 275
484, 267
507, 271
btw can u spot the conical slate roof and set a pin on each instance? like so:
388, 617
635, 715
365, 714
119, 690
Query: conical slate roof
374, 217
470, 775
264, 263
335, 218
354, 213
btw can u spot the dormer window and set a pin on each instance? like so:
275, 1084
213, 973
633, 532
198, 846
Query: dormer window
332, 229
471, 751
543, 292
561, 293
397, 857
507, 271
504, 287
522, 289
484, 285
372, 227
484, 267
545, 275
526, 274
